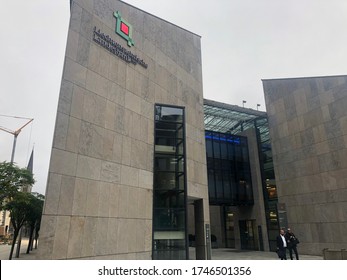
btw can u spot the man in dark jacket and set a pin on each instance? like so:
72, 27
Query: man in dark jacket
292, 241
281, 245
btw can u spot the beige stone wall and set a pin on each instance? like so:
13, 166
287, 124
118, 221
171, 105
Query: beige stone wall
99, 192
257, 211
217, 225
308, 129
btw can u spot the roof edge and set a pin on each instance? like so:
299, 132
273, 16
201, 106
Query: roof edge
234, 108
309, 77
160, 18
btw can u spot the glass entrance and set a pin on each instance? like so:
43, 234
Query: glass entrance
229, 229
247, 235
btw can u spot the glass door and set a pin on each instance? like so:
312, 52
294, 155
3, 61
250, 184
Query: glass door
247, 235
229, 229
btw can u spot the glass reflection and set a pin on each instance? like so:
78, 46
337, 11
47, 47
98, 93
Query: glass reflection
169, 202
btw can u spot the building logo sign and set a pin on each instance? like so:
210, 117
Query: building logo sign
124, 29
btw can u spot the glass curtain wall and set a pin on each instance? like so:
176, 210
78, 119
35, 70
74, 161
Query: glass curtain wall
229, 175
169, 190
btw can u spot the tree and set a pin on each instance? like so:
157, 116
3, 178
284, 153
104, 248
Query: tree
19, 208
12, 178
34, 218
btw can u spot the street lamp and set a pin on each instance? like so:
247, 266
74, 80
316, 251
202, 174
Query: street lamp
258, 105
243, 103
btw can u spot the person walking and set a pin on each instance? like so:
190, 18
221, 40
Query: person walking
292, 242
281, 245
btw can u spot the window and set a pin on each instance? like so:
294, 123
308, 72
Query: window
229, 176
169, 190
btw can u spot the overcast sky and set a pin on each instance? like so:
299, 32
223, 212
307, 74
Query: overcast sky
243, 41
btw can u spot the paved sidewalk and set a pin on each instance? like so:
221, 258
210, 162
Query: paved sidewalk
5, 251
217, 254
233, 254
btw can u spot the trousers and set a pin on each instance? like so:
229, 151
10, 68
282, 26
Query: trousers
291, 249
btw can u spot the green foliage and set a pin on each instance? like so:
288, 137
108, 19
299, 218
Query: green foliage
19, 207
35, 211
33, 219
23, 207
12, 178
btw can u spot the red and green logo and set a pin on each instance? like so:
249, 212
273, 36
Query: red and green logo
124, 29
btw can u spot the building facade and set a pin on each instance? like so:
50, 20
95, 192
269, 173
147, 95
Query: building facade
128, 152
4, 222
142, 167
308, 129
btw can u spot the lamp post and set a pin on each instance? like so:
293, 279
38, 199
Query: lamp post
258, 105
243, 103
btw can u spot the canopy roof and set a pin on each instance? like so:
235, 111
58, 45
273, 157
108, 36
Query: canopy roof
227, 118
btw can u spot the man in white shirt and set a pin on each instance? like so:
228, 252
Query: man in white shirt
281, 245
